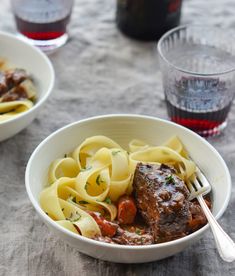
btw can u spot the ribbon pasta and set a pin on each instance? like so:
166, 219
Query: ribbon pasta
97, 173
13, 108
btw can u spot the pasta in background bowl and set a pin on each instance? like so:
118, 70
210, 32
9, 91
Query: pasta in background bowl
18, 54
122, 129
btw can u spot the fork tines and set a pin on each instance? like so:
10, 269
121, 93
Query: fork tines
198, 185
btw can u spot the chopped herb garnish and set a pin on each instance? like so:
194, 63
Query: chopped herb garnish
107, 217
108, 200
138, 231
86, 186
98, 180
72, 198
86, 169
169, 179
115, 152
62, 209
74, 218
83, 202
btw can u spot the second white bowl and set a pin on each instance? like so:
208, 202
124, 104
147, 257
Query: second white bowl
37, 64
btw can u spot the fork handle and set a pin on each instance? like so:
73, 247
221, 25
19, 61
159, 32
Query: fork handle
225, 244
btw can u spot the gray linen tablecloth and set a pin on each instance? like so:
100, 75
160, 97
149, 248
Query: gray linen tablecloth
99, 71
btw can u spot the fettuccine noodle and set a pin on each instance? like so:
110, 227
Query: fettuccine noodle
13, 108
97, 173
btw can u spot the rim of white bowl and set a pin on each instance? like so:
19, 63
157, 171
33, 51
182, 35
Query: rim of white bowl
38, 208
52, 82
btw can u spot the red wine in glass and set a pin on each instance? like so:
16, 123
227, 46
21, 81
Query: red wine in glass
42, 31
43, 22
200, 105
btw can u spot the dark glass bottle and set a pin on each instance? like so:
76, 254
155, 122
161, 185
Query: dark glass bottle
147, 19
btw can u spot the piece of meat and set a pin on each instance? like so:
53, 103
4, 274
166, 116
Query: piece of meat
132, 238
9, 85
162, 200
129, 236
3, 85
198, 218
15, 94
15, 77
126, 210
107, 228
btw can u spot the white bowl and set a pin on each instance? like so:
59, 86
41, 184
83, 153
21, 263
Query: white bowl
36, 63
123, 128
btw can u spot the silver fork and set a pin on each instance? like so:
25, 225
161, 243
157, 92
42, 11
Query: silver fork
198, 187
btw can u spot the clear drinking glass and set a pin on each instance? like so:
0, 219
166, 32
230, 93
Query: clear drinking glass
198, 70
43, 23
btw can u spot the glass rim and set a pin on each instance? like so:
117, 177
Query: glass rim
168, 33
